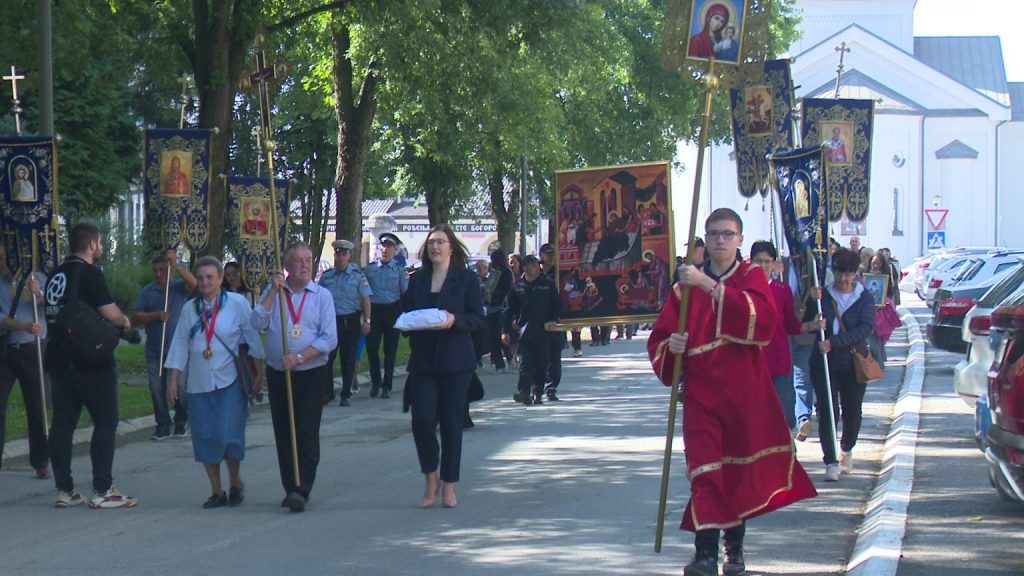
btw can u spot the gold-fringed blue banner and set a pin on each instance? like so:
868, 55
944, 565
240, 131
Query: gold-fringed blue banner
762, 124
798, 179
843, 129
28, 203
176, 188
250, 233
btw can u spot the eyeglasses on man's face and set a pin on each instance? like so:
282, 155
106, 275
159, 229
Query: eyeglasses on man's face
723, 234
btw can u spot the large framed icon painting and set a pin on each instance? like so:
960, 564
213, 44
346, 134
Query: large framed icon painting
614, 245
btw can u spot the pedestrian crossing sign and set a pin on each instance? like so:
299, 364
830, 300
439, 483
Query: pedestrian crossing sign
936, 239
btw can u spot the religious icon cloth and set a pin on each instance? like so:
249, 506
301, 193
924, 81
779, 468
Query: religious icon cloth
843, 128
740, 457
28, 201
798, 179
176, 187
762, 124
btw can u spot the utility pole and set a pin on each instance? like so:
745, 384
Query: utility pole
523, 197
45, 50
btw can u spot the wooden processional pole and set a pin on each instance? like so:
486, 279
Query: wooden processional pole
710, 81
259, 79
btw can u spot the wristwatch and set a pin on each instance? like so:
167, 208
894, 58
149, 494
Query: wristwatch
299, 356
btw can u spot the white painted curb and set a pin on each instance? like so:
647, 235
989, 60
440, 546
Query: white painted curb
880, 537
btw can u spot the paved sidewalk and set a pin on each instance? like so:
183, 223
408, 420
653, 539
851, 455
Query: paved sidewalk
564, 488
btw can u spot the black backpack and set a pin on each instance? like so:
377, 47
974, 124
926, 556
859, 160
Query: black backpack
86, 336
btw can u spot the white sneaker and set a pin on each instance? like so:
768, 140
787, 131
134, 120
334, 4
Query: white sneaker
112, 499
68, 499
832, 473
845, 462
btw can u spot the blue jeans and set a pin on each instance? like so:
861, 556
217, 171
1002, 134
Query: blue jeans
803, 389
158, 392
787, 397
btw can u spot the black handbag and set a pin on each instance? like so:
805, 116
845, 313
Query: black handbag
246, 371
88, 337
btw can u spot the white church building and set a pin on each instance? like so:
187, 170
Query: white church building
948, 132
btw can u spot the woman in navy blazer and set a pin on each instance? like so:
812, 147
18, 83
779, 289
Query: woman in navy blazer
441, 362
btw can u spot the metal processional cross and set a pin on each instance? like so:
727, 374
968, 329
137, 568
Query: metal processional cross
13, 79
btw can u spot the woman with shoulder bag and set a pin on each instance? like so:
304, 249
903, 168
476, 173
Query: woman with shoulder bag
848, 315
210, 331
442, 360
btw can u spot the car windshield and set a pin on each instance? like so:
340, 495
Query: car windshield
968, 270
1016, 298
1005, 287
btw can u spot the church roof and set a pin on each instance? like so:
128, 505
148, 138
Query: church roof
956, 149
858, 85
1016, 100
974, 61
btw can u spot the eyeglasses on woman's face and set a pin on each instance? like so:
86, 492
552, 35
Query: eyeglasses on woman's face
437, 242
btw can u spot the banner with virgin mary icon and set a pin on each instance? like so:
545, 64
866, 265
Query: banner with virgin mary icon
716, 30
614, 244
28, 202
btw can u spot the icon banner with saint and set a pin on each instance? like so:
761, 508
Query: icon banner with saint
250, 224
762, 124
798, 180
843, 128
176, 188
29, 202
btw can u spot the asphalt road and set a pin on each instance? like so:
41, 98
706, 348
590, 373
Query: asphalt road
563, 488
957, 524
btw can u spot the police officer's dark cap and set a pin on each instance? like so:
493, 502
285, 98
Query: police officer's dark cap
389, 237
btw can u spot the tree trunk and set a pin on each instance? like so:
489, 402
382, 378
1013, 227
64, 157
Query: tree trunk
220, 48
505, 215
354, 121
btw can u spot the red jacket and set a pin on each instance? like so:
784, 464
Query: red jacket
776, 353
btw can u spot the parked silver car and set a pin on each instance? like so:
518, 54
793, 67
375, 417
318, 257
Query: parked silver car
970, 375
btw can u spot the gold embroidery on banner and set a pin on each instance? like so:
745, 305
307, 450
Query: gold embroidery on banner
753, 316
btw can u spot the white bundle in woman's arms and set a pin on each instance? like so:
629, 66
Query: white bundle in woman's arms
422, 319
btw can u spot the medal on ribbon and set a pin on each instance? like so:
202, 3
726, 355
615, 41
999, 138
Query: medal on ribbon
296, 331
210, 323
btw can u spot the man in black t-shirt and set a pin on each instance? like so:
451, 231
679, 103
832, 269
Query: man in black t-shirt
76, 384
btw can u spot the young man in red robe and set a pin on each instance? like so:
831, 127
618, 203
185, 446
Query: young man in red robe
740, 458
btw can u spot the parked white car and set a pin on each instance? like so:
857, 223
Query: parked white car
941, 261
970, 375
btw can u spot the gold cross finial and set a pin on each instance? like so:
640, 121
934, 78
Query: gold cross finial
13, 79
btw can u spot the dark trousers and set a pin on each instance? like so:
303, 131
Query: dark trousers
556, 342
494, 327
96, 389
349, 326
307, 392
383, 329
533, 370
577, 341
439, 399
22, 365
600, 335
158, 394
847, 402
